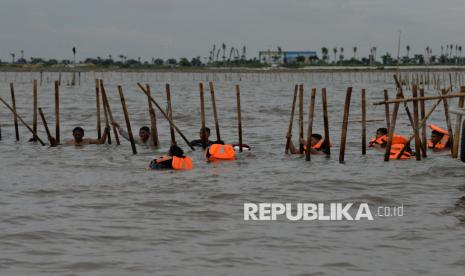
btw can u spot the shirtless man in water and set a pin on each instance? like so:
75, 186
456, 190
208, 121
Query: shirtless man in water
79, 140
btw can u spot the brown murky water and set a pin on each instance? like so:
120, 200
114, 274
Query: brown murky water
97, 210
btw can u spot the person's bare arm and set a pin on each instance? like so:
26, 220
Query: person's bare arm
292, 148
98, 141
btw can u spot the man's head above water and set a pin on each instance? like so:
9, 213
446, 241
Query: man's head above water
144, 133
204, 133
78, 134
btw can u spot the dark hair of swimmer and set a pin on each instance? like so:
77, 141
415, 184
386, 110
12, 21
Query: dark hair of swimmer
145, 128
382, 130
80, 129
317, 136
205, 130
176, 151
439, 134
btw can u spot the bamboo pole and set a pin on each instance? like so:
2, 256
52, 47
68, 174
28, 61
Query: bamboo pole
415, 121
202, 116
34, 103
423, 129
386, 108
166, 116
310, 125
105, 112
239, 117
458, 122
57, 112
153, 119
407, 110
47, 130
170, 112
13, 100
392, 122
301, 117
448, 122
215, 115
364, 123
325, 119
345, 120
426, 98
22, 121
291, 120
108, 110
126, 118
97, 103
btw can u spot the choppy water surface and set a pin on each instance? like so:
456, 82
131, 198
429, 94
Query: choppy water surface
97, 210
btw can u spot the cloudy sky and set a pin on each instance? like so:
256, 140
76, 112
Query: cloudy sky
177, 28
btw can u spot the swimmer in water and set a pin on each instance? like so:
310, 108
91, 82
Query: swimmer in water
439, 139
319, 145
174, 159
381, 138
79, 140
144, 135
204, 135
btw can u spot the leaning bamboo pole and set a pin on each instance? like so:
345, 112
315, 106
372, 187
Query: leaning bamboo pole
415, 121
345, 122
426, 98
22, 121
291, 121
310, 125
458, 121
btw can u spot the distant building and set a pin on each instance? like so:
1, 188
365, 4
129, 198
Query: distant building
271, 57
306, 56
281, 57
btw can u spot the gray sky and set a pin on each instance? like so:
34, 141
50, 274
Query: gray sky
176, 28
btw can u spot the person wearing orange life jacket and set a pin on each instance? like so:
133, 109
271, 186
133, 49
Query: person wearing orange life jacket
175, 159
319, 145
398, 142
220, 151
439, 139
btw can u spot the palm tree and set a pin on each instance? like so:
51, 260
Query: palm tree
451, 48
355, 51
341, 56
324, 53
460, 54
224, 51
427, 54
335, 53
12, 58
408, 50
442, 50
74, 56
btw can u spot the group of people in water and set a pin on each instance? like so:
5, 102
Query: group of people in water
175, 158
439, 141
218, 150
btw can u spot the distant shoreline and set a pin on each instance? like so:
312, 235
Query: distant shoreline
315, 69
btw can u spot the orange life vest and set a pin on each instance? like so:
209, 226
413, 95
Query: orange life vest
439, 145
222, 152
318, 145
395, 150
396, 139
182, 163
443, 142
